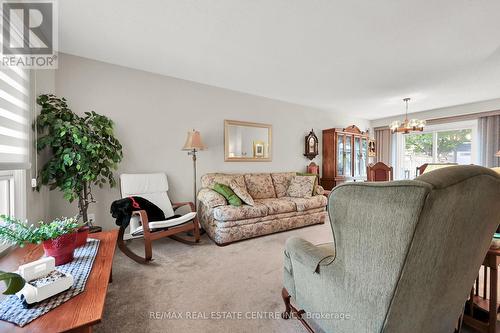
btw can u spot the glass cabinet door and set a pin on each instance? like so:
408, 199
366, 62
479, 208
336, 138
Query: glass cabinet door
364, 155
340, 155
357, 156
348, 155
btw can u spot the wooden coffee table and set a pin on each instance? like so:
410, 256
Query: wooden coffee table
81, 312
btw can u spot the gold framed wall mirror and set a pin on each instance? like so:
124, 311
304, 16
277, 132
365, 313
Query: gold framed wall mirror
247, 142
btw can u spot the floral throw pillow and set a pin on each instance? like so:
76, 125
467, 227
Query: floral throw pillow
241, 192
301, 187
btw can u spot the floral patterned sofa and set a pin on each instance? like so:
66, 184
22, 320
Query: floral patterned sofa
273, 211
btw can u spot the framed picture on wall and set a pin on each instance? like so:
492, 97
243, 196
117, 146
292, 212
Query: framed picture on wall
258, 149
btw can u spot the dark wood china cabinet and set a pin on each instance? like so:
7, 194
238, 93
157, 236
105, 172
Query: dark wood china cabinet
344, 156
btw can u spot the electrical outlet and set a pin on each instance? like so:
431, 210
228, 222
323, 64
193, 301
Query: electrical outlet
91, 218
33, 182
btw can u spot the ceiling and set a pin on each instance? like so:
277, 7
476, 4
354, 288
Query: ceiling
358, 56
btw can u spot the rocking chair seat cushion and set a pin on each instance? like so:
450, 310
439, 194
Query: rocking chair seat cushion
164, 224
152, 187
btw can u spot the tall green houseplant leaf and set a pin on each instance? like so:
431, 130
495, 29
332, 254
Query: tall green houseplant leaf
83, 151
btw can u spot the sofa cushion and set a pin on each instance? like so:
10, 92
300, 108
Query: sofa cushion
316, 178
260, 185
228, 193
210, 179
281, 181
301, 186
233, 213
278, 206
241, 192
268, 218
304, 204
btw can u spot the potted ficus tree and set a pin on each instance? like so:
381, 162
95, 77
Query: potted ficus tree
83, 152
57, 237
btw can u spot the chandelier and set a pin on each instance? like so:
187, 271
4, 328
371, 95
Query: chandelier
407, 126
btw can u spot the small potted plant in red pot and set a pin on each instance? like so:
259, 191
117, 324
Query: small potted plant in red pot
81, 235
57, 237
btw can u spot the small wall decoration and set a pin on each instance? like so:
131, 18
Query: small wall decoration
371, 148
311, 145
258, 149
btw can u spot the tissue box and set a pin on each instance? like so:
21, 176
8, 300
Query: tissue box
42, 281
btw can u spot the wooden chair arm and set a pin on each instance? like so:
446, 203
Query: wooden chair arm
176, 205
144, 219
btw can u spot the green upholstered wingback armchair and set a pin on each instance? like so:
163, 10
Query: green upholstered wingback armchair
404, 257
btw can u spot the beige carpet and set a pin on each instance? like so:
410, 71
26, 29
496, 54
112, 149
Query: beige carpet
183, 280
244, 277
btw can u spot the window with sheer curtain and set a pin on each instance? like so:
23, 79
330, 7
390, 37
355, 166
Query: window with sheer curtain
445, 143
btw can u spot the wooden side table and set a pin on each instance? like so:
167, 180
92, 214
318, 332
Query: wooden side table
478, 305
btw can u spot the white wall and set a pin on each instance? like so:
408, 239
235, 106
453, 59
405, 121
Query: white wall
153, 113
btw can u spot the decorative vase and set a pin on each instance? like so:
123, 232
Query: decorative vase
61, 248
81, 236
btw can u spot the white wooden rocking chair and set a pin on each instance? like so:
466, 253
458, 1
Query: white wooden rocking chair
154, 187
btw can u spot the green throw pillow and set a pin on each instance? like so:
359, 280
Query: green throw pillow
310, 174
227, 193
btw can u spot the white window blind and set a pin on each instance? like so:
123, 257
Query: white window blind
14, 119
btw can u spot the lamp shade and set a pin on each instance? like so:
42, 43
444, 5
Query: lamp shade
497, 154
193, 141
